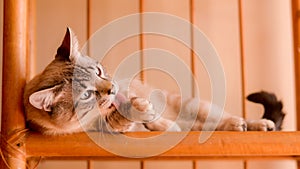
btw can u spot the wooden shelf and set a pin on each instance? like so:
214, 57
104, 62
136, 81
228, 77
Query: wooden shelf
220, 144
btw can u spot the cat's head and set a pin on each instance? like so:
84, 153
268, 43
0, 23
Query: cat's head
70, 87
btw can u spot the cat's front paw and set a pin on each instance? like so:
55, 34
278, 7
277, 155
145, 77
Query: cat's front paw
261, 125
142, 110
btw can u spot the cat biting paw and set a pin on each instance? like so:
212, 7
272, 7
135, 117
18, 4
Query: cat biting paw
74, 94
135, 109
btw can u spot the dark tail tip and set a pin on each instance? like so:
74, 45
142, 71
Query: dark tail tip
272, 106
262, 97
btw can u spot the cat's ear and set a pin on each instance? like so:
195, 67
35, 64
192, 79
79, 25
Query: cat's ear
43, 99
68, 49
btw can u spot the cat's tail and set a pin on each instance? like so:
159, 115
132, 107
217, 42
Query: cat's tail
272, 106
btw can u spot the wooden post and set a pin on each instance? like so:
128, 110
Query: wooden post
242, 56
142, 39
296, 35
31, 40
296, 31
14, 78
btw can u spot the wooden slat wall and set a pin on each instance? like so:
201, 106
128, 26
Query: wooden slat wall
52, 19
215, 19
105, 11
210, 16
180, 9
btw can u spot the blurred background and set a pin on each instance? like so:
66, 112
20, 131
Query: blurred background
257, 57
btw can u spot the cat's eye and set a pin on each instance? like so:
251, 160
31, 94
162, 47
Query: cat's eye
87, 94
98, 72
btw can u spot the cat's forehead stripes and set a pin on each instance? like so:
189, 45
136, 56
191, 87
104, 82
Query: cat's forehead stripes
81, 70
81, 76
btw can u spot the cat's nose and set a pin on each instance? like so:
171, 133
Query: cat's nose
110, 91
113, 90
107, 88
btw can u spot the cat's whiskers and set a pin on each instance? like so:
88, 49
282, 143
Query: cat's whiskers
104, 130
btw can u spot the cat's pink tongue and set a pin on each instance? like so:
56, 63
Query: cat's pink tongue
120, 98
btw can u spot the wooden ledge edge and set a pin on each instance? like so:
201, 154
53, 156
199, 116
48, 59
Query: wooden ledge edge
162, 144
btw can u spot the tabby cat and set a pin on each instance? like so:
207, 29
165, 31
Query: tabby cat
74, 93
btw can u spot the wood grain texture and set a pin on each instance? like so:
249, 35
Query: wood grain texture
296, 33
296, 43
117, 51
14, 78
220, 144
166, 57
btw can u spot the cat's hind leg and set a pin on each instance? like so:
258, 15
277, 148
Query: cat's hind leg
217, 121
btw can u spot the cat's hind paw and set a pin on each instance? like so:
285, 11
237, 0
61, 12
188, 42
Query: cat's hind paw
261, 125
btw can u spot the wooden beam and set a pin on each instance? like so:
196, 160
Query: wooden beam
296, 33
31, 40
221, 144
14, 78
142, 40
242, 55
